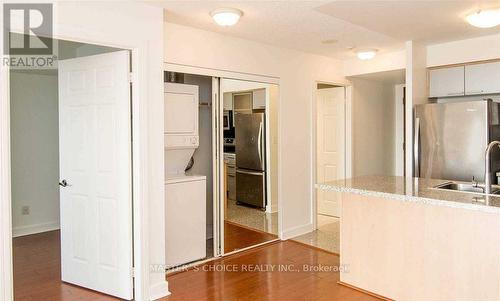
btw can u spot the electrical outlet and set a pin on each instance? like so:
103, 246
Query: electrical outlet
25, 210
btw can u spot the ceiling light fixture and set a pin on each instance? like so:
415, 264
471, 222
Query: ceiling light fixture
367, 54
484, 18
226, 16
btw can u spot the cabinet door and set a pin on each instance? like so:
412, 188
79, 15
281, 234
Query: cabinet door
259, 99
482, 78
242, 102
228, 101
446, 82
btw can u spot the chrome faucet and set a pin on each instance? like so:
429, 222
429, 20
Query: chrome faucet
474, 182
487, 171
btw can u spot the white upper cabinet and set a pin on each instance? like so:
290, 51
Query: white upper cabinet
446, 82
228, 101
259, 99
482, 78
242, 101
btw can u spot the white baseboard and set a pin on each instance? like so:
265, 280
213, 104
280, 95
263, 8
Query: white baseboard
159, 290
296, 231
34, 229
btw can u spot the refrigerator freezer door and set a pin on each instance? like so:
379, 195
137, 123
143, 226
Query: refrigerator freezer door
249, 139
452, 140
251, 187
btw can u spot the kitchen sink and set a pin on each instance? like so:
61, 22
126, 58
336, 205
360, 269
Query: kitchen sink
461, 187
467, 187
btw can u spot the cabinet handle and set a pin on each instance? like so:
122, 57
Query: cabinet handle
455, 93
250, 173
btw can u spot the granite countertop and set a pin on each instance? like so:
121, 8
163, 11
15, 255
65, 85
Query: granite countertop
414, 190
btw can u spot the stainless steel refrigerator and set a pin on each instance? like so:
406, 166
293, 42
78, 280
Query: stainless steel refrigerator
250, 159
451, 139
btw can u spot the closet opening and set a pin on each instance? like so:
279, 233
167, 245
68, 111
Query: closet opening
221, 166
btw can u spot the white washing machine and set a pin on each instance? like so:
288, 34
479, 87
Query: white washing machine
185, 195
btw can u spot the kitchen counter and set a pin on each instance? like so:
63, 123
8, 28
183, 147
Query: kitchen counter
405, 240
414, 190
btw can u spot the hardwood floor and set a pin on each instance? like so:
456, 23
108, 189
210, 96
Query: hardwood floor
37, 275
238, 237
37, 271
206, 282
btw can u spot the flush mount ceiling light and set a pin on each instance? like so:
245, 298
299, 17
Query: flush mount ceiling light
484, 18
366, 54
226, 16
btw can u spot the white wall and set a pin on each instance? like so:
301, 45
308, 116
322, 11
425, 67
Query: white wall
297, 72
34, 152
86, 50
126, 25
382, 62
373, 128
470, 50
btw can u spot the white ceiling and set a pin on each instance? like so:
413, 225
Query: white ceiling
303, 25
426, 21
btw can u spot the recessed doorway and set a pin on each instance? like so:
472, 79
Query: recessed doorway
330, 124
359, 131
232, 147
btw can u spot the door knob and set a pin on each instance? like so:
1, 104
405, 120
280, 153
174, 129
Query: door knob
63, 183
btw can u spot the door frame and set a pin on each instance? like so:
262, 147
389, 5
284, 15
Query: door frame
399, 99
140, 175
314, 141
218, 73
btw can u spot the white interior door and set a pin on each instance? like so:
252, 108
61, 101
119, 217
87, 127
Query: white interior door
95, 162
330, 146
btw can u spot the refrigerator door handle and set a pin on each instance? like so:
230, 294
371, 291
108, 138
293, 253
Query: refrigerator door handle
253, 173
259, 143
416, 150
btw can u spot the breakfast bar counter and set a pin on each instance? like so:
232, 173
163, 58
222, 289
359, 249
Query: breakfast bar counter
403, 239
418, 190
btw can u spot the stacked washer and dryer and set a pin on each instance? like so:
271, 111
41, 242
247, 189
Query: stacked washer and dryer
185, 195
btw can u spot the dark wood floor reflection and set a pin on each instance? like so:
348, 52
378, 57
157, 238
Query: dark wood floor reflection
37, 271
208, 282
237, 237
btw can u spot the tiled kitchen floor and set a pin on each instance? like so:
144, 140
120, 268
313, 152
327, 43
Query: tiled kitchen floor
326, 237
252, 217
